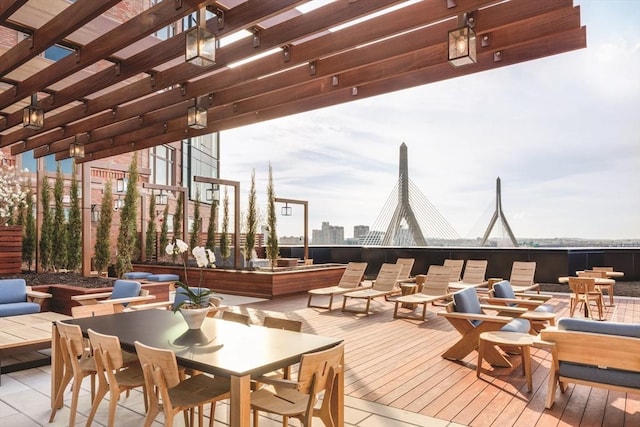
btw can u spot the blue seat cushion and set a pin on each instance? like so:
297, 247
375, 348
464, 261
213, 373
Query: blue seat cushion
13, 290
608, 328
125, 289
136, 275
517, 325
503, 290
601, 375
17, 308
466, 301
544, 308
166, 277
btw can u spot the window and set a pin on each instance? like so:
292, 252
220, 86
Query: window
200, 155
50, 164
161, 161
57, 52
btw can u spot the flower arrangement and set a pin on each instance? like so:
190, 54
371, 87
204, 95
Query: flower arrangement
12, 192
205, 258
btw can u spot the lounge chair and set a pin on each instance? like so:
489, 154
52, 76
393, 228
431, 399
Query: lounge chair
455, 267
386, 284
434, 288
522, 276
467, 315
350, 280
474, 272
405, 270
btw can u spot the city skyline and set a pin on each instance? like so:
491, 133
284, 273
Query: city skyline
561, 132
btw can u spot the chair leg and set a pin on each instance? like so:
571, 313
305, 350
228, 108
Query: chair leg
77, 383
60, 394
102, 391
256, 415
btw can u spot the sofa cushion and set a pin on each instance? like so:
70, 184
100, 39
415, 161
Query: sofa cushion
13, 290
503, 290
17, 308
601, 375
125, 289
607, 328
165, 277
517, 325
466, 301
136, 275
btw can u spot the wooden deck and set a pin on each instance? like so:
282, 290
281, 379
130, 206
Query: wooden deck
397, 362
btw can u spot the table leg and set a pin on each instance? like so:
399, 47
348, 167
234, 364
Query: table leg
57, 364
526, 366
337, 398
240, 402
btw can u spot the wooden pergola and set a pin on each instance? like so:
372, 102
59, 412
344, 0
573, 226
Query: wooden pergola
122, 89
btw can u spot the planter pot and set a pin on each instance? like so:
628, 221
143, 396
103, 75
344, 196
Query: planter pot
194, 316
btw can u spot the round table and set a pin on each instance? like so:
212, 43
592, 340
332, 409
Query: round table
510, 339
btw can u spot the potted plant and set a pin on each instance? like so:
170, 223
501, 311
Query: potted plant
194, 303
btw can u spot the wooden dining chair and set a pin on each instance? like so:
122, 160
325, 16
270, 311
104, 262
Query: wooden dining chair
236, 317
584, 291
113, 375
601, 274
78, 364
318, 372
287, 325
177, 394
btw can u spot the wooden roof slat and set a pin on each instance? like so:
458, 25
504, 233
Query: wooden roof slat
8, 8
72, 18
136, 28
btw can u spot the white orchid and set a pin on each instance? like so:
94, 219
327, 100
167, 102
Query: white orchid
177, 248
204, 257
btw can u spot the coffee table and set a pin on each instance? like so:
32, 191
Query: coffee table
508, 339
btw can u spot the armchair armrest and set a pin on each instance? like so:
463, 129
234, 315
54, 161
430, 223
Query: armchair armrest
90, 297
166, 305
474, 316
515, 311
128, 300
37, 296
528, 304
537, 297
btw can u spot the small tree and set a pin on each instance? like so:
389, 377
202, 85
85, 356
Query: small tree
251, 221
213, 226
177, 217
59, 243
103, 233
46, 233
225, 248
150, 238
127, 238
74, 228
29, 235
194, 239
272, 236
164, 230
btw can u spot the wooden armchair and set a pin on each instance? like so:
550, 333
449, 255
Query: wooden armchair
386, 283
584, 291
538, 313
318, 372
596, 354
124, 292
435, 288
351, 279
468, 317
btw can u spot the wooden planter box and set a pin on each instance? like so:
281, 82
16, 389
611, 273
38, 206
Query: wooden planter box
261, 283
10, 249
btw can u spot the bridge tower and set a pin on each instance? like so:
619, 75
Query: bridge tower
498, 213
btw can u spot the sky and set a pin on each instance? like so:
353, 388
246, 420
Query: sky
562, 133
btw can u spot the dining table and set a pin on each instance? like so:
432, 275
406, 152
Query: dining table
228, 349
603, 282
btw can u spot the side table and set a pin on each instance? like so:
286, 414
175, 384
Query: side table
511, 339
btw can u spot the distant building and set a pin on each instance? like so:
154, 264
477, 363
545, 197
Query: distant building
328, 235
291, 240
359, 231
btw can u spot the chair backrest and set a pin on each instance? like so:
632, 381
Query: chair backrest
437, 281
353, 275
107, 350
582, 285
13, 290
125, 289
474, 271
320, 363
387, 277
602, 268
158, 360
522, 273
592, 273
236, 317
455, 268
72, 335
279, 323
407, 265
467, 301
92, 310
